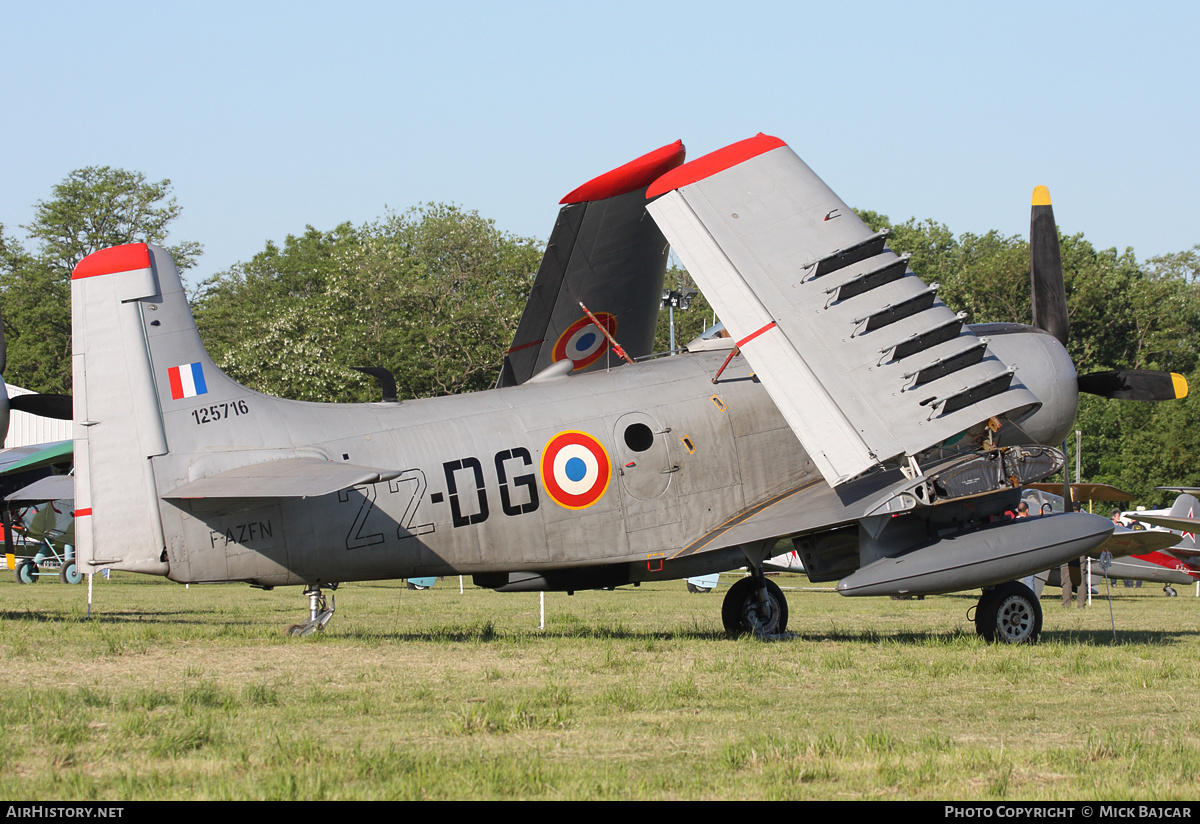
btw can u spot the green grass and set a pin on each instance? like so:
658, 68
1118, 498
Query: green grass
195, 693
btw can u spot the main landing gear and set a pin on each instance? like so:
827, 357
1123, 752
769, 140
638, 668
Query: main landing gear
1169, 591
319, 612
755, 605
1009, 613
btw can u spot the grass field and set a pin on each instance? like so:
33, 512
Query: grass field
195, 693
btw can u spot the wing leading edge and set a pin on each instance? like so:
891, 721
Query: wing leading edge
862, 359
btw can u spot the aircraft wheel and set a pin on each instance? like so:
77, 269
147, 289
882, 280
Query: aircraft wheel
739, 611
1010, 614
695, 589
69, 573
411, 585
26, 572
1170, 591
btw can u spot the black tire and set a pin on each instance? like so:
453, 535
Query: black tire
26, 572
411, 585
1009, 614
1170, 591
739, 611
69, 573
697, 590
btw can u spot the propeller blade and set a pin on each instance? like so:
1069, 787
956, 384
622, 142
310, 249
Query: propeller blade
1045, 268
47, 406
1135, 385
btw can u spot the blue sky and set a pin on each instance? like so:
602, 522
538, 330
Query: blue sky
269, 116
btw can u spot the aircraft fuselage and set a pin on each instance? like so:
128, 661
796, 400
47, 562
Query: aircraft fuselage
478, 490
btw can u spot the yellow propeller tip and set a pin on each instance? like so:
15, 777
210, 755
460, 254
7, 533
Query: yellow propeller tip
1041, 196
1179, 382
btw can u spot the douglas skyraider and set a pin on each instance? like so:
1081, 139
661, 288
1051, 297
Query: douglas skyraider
857, 416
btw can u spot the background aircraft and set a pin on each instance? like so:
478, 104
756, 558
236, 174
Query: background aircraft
1138, 554
865, 421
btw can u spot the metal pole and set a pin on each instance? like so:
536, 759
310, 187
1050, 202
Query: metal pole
1079, 449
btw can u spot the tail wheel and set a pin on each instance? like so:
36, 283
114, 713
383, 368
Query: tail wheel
741, 612
692, 588
1010, 614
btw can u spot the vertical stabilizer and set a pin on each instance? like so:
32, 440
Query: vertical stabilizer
1186, 506
118, 427
606, 252
134, 348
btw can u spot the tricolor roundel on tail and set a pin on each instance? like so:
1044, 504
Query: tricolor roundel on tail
604, 251
583, 343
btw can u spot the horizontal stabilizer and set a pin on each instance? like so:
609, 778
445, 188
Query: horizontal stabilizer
862, 359
982, 558
285, 478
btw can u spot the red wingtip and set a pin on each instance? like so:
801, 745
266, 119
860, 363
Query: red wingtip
714, 162
636, 174
125, 258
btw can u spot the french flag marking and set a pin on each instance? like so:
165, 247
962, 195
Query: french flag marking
187, 381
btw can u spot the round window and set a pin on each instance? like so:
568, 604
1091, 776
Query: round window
638, 437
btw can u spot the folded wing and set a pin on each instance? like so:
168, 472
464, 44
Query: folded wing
607, 252
862, 359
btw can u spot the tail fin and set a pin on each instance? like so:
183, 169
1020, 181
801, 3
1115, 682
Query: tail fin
606, 252
135, 352
1186, 506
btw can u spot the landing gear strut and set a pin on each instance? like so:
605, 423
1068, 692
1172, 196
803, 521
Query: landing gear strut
755, 604
1009, 613
319, 612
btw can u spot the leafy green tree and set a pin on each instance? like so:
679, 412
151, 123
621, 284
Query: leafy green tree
434, 294
92, 209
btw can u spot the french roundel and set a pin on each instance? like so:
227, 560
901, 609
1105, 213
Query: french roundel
575, 469
583, 343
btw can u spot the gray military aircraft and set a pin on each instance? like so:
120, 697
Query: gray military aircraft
864, 420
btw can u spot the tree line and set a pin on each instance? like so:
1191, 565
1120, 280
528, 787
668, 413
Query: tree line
434, 294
